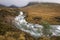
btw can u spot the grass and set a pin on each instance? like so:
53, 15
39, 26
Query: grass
46, 12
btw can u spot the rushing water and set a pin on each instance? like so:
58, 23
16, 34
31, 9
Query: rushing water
33, 29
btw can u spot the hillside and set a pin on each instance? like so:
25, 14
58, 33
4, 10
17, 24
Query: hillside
7, 30
45, 11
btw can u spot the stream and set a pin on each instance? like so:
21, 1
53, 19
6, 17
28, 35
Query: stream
33, 29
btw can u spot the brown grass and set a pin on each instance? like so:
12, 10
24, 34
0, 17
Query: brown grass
44, 11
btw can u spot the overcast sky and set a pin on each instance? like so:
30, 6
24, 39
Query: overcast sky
21, 3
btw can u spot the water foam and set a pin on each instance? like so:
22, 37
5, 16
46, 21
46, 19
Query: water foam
33, 29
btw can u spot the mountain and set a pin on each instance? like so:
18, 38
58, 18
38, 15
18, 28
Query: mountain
13, 6
32, 3
42, 3
2, 5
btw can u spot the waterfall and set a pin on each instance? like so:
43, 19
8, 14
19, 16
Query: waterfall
33, 29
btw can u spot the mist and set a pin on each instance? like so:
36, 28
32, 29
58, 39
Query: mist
22, 3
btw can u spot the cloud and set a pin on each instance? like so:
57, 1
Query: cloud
21, 3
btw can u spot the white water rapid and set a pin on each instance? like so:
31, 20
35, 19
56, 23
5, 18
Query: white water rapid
33, 29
